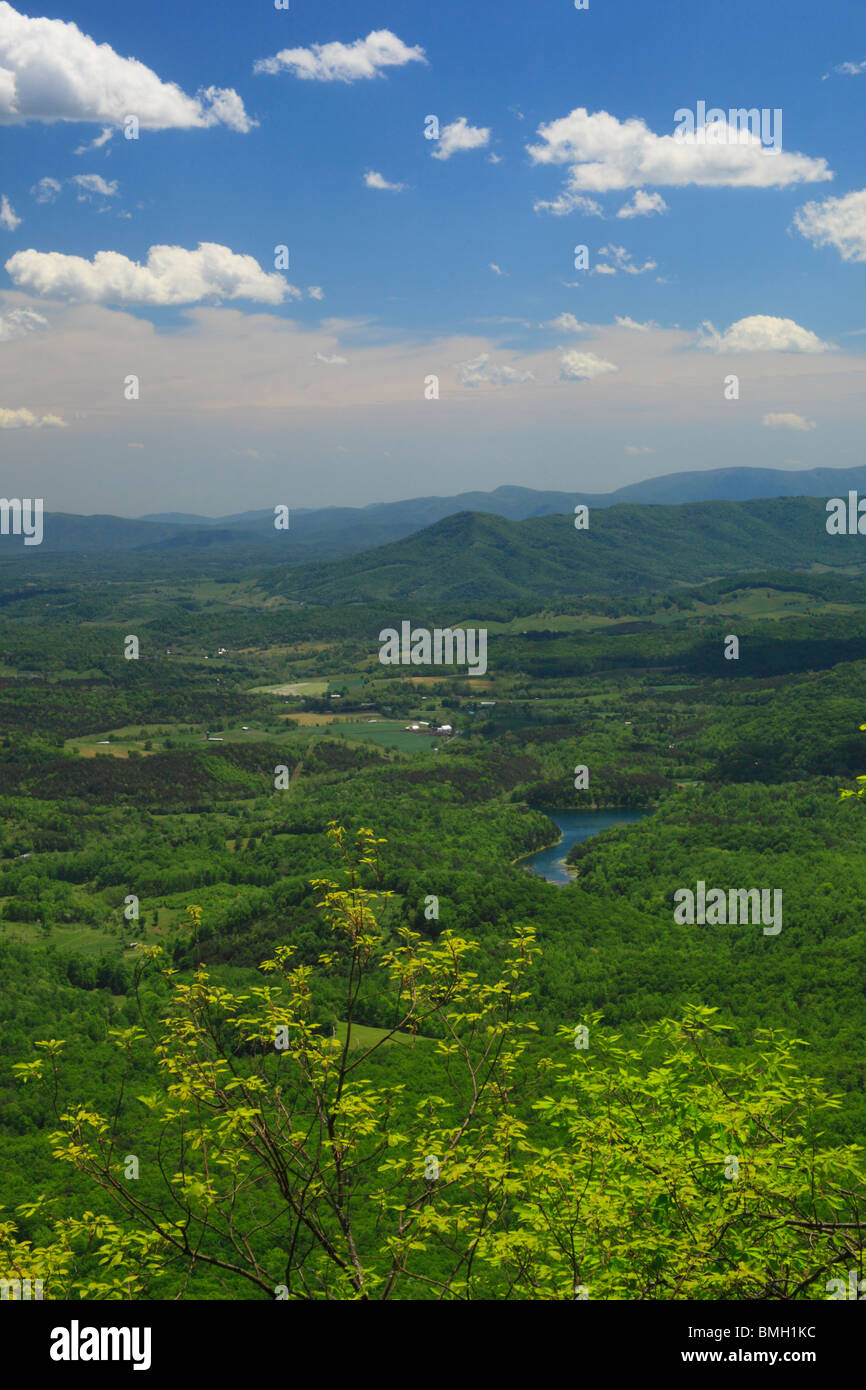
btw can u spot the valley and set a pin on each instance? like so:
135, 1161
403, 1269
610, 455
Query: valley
207, 773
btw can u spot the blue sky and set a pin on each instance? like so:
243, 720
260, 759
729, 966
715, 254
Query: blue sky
315, 394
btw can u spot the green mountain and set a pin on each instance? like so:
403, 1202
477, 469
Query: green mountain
474, 559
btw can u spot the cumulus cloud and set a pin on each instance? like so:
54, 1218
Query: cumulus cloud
567, 323
372, 179
643, 204
497, 269
330, 359
315, 292
605, 154
25, 419
570, 201
839, 222
344, 62
8, 218
459, 135
97, 142
787, 420
620, 259
848, 69
761, 333
51, 71
172, 275
627, 322
583, 366
47, 190
223, 106
481, 371
90, 184
18, 323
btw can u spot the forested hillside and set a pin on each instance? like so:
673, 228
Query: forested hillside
169, 824
477, 560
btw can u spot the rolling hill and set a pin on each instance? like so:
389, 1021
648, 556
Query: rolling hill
473, 559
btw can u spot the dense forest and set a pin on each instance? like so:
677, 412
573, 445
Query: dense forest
173, 821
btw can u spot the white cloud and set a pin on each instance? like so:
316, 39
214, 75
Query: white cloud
46, 190
459, 135
97, 142
787, 420
8, 218
605, 153
497, 269
315, 292
51, 71
18, 323
25, 419
374, 180
567, 323
90, 184
569, 202
638, 449
583, 366
851, 69
643, 204
839, 222
330, 359
761, 333
172, 275
622, 260
224, 107
627, 322
344, 62
481, 371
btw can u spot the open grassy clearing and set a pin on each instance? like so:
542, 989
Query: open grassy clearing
317, 687
364, 1037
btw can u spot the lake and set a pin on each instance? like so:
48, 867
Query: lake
575, 826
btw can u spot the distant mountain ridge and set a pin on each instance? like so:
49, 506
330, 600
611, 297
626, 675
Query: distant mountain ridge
518, 503
329, 533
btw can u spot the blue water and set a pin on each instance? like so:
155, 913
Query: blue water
575, 826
